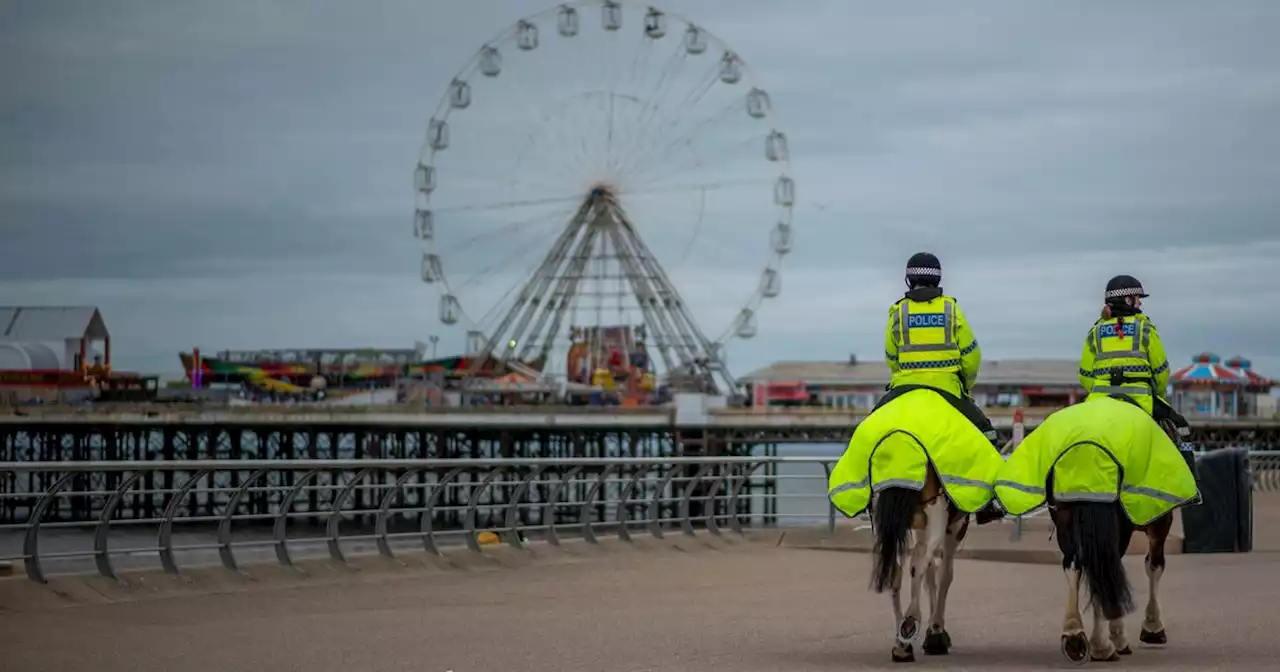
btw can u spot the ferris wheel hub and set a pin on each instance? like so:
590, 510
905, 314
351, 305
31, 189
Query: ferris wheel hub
603, 190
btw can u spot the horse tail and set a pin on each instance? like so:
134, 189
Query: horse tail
1096, 528
892, 515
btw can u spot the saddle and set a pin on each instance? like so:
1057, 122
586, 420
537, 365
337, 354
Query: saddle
1175, 426
1161, 411
968, 410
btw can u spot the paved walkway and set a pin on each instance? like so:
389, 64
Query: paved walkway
741, 607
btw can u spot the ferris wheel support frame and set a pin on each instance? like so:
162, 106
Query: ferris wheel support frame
675, 334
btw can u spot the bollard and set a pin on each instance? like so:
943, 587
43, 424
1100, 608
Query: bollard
1019, 432
1019, 427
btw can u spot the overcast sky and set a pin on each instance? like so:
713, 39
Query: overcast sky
237, 174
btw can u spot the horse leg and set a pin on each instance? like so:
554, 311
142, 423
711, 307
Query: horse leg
897, 517
1152, 626
1108, 636
931, 584
1100, 646
909, 623
1119, 639
1115, 629
1075, 643
937, 642
902, 653
896, 595
925, 546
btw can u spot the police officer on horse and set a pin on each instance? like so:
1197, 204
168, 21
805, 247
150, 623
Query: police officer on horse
1123, 356
928, 344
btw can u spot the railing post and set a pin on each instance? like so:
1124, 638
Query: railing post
553, 498
512, 533
102, 536
31, 542
473, 504
333, 528
584, 511
735, 494
428, 515
280, 528
225, 553
655, 513
686, 501
165, 537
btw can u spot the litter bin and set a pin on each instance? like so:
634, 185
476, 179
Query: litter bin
1223, 521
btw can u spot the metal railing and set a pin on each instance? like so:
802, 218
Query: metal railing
517, 500
1264, 466
365, 505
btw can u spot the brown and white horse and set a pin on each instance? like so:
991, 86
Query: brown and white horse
1094, 537
933, 523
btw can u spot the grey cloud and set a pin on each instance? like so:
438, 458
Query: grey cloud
248, 144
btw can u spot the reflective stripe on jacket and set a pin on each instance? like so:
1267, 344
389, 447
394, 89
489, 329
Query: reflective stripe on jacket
1098, 451
895, 445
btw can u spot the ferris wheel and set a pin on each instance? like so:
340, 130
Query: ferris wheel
604, 175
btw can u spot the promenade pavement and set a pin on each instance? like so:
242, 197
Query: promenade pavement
676, 604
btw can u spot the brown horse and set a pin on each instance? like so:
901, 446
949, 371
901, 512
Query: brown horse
1094, 537
933, 523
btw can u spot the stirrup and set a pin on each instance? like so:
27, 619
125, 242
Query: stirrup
989, 513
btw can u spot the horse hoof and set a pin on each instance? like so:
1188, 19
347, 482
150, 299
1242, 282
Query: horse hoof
1126, 651
1076, 648
936, 642
905, 655
1148, 637
1115, 655
909, 630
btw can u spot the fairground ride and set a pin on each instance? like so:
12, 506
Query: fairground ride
598, 182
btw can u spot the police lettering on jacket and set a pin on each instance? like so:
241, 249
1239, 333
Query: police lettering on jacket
918, 320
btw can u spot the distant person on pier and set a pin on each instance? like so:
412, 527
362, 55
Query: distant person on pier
928, 344
1123, 356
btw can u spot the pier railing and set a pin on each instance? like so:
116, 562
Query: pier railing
187, 513
112, 515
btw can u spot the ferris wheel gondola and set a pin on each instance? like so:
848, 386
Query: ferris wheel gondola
604, 183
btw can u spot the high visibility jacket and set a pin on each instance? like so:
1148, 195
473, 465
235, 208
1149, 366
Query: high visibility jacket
929, 343
1127, 360
895, 445
1099, 450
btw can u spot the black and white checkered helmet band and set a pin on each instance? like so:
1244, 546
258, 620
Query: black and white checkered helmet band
924, 271
1127, 291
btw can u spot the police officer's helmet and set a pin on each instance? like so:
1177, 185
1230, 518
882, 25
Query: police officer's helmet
1122, 287
924, 269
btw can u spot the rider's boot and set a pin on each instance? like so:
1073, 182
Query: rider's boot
992, 511
989, 513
